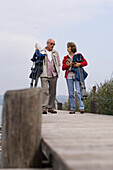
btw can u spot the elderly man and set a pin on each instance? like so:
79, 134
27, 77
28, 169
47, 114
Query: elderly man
51, 70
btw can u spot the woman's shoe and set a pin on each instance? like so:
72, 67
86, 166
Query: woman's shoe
72, 112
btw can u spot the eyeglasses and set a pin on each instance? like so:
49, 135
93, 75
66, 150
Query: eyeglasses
52, 43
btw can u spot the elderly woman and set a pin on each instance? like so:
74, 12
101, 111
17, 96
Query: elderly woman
70, 77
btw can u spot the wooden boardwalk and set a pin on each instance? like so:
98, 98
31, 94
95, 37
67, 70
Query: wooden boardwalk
78, 141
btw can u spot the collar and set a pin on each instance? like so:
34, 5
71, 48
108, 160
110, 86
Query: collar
53, 51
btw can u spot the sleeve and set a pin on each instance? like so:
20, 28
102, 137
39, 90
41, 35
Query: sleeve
64, 65
84, 62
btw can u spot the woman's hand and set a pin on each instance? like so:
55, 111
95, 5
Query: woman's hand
77, 64
69, 64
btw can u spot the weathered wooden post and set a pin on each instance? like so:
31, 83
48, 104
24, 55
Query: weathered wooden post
21, 128
59, 105
94, 105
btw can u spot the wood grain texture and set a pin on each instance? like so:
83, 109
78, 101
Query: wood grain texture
21, 128
78, 141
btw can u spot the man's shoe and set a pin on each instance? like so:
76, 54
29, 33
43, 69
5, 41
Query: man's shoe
52, 111
44, 112
81, 111
72, 112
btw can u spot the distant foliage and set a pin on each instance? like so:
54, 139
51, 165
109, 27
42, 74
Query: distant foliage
66, 105
105, 97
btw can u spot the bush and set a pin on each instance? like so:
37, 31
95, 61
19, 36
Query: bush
105, 97
65, 106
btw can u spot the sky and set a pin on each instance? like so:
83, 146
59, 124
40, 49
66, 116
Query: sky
88, 23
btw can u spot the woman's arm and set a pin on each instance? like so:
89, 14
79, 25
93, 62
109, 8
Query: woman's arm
66, 64
82, 64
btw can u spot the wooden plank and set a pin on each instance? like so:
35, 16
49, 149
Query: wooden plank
21, 128
81, 141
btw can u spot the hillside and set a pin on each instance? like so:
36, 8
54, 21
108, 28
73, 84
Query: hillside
62, 98
1, 99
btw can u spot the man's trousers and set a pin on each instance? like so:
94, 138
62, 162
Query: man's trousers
49, 92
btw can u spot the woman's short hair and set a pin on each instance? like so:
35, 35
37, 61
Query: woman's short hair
73, 46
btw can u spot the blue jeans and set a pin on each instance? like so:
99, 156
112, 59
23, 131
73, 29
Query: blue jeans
70, 85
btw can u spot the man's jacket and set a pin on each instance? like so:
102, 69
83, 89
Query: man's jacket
56, 61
